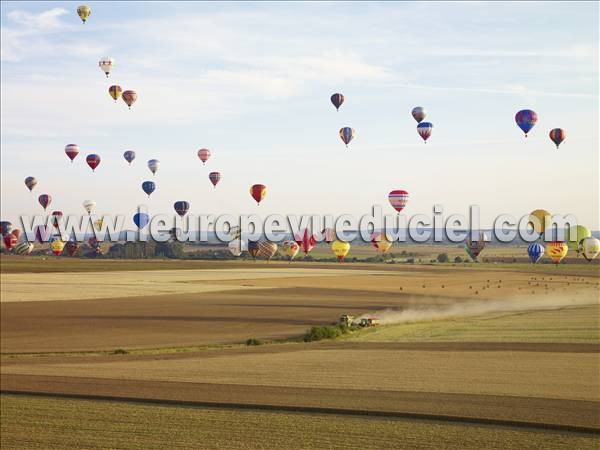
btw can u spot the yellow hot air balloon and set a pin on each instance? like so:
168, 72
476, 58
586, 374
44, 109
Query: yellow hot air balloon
380, 242
556, 251
290, 249
340, 249
580, 234
84, 12
57, 247
98, 224
115, 91
540, 219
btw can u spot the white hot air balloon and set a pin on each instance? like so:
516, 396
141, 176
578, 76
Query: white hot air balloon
590, 247
237, 246
106, 64
153, 165
89, 205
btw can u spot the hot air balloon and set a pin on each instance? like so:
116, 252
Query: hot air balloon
148, 187
340, 249
258, 192
556, 251
45, 200
10, 240
475, 247
153, 165
83, 11
540, 219
328, 235
204, 154
30, 182
98, 224
95, 245
129, 156
71, 247
347, 134
93, 161
557, 135
24, 248
115, 92
290, 249
129, 97
590, 247
580, 233
306, 240
214, 178
337, 100
236, 247
380, 242
253, 249
526, 119
16, 233
72, 150
424, 129
535, 250
57, 247
56, 218
42, 233
106, 64
88, 205
419, 113
267, 249
5, 227
398, 199
235, 232
141, 220
181, 207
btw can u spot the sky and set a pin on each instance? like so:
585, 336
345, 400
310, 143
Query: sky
252, 81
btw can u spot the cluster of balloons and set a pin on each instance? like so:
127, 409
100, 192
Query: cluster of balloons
526, 120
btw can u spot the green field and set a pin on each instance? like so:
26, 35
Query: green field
38, 422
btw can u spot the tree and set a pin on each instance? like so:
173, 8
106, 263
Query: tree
442, 257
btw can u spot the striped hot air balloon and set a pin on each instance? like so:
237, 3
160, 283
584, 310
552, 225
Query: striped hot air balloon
258, 192
214, 178
535, 251
526, 120
45, 200
30, 182
557, 135
72, 150
337, 100
475, 247
290, 249
398, 199
129, 97
115, 91
424, 129
24, 248
267, 249
347, 134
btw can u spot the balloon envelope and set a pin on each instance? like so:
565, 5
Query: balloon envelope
71, 247
258, 192
540, 219
424, 129
204, 154
474, 247
45, 200
535, 251
181, 207
398, 199
115, 92
337, 100
148, 187
93, 161
129, 97
575, 236
590, 247
153, 165
290, 249
88, 205
5, 227
557, 135
340, 249
556, 251
214, 178
72, 150
267, 249
57, 247
236, 247
253, 248
306, 240
526, 119
106, 64
24, 248
30, 182
346, 134
10, 240
129, 156
84, 11
141, 220
419, 113
380, 242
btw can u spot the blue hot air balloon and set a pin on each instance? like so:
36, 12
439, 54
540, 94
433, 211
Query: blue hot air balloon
141, 220
526, 119
129, 156
5, 227
148, 187
337, 100
346, 134
535, 251
181, 207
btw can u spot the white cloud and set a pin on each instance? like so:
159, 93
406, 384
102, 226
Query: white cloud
46, 20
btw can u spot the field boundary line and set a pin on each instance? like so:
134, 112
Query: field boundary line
311, 409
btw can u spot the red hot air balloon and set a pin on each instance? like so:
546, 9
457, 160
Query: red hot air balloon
45, 200
56, 217
557, 135
16, 233
93, 161
10, 240
204, 154
258, 192
214, 177
72, 150
398, 199
305, 240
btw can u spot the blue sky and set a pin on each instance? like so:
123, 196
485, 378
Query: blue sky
251, 82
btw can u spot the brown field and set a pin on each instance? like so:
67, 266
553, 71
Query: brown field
510, 346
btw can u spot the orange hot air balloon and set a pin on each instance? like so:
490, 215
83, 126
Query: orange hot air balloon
258, 192
556, 251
